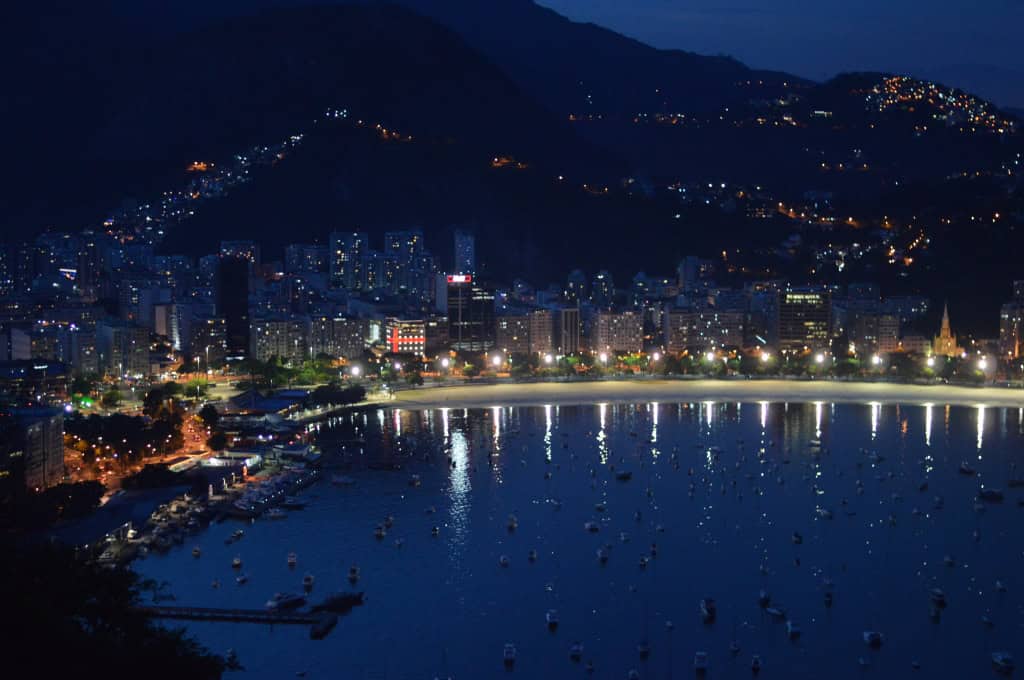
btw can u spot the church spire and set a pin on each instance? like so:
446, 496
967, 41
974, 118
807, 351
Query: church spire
945, 332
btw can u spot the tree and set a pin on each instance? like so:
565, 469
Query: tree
218, 441
414, 378
111, 398
84, 384
89, 617
209, 415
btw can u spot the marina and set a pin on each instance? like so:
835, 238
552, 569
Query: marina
796, 539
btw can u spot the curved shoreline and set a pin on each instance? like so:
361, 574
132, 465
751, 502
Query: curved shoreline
638, 391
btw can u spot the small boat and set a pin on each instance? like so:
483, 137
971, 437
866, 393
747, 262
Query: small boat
434, 531
509, 654
414, 480
966, 469
380, 532
1002, 662
285, 602
294, 503
293, 559
600, 507
602, 555
389, 522
503, 560
276, 513
512, 523
215, 584
623, 475
532, 556
708, 610
797, 538
792, 629
242, 579
700, 663
237, 534
551, 617
643, 561
576, 651
353, 574
764, 599
775, 613
323, 626
592, 527
307, 581
991, 495
755, 664
937, 596
196, 552
872, 638
734, 648
342, 480
236, 562
643, 649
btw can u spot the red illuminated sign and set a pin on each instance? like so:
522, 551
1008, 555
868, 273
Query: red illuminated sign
460, 278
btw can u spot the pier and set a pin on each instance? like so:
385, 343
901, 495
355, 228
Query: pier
235, 615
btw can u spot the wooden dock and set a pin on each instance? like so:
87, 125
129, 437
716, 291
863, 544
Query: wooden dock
236, 615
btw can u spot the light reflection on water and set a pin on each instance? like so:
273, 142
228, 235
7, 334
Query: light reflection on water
443, 605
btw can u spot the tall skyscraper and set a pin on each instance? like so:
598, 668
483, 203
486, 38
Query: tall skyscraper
805, 319
233, 303
346, 258
471, 324
465, 252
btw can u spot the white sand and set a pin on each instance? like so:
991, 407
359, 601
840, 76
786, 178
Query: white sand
639, 391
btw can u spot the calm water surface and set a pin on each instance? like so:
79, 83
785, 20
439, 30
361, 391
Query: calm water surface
720, 488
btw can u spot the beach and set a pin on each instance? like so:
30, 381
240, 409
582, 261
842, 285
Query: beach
637, 391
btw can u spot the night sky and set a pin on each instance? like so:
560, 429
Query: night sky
973, 44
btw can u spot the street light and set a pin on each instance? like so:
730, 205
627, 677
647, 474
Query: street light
765, 356
710, 356
603, 357
931, 362
819, 358
876, 360
354, 370
398, 366
496, 361
983, 364
548, 359
445, 362
656, 356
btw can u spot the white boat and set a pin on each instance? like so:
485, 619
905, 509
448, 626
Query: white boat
414, 480
708, 610
236, 562
307, 581
293, 559
512, 523
503, 560
1002, 662
276, 513
551, 617
242, 579
937, 596
592, 527
755, 664
532, 556
380, 532
700, 662
872, 638
509, 654
196, 552
389, 522
792, 629
434, 531
285, 601
602, 555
